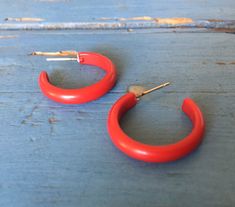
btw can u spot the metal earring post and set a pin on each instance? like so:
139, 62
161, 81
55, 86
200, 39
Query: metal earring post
61, 54
141, 91
61, 59
155, 88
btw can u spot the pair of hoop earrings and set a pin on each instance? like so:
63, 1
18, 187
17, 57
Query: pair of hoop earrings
132, 148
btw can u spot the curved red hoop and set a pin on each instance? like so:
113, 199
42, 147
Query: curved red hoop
150, 153
86, 94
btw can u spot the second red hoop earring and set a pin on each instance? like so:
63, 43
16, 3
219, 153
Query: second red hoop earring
81, 95
149, 153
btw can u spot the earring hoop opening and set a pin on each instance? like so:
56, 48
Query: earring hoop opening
154, 153
85, 94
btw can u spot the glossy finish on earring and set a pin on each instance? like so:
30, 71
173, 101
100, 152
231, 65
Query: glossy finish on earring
81, 95
150, 153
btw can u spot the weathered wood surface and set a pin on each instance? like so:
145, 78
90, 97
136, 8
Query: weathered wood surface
56, 155
73, 10
71, 14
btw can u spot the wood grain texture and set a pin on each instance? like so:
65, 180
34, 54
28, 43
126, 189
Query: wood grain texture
57, 155
82, 11
72, 14
166, 23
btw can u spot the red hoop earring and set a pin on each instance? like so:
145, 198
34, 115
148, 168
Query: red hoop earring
150, 153
82, 95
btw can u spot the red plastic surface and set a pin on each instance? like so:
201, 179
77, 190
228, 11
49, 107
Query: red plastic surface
150, 153
86, 94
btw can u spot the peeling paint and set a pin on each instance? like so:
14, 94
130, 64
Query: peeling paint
225, 63
224, 30
8, 36
52, 120
220, 63
130, 30
174, 20
143, 18
215, 20
24, 19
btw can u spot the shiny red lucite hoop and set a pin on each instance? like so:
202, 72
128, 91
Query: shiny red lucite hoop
150, 153
86, 94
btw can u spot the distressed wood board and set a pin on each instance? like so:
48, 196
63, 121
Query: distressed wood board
57, 155
72, 10
61, 155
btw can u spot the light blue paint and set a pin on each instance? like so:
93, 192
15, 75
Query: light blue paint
55, 155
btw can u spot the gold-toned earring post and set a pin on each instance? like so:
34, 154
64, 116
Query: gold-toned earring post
141, 91
155, 88
61, 59
61, 54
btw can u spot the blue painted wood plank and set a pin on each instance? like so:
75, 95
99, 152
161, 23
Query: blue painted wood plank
82, 11
154, 23
57, 155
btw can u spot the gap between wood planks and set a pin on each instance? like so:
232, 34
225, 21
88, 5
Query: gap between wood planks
144, 22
